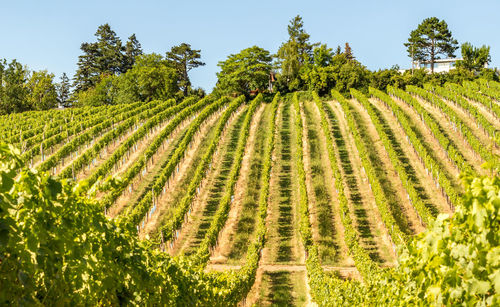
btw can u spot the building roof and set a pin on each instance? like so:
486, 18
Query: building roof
448, 60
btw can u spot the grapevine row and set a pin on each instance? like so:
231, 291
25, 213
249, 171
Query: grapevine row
475, 143
183, 111
89, 135
203, 253
465, 105
395, 232
407, 180
436, 170
151, 121
446, 143
168, 231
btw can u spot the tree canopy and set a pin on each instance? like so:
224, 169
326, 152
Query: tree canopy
293, 54
183, 59
245, 71
106, 56
429, 40
473, 58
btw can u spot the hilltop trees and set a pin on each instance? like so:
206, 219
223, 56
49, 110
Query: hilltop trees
431, 39
107, 56
293, 54
245, 71
183, 59
41, 94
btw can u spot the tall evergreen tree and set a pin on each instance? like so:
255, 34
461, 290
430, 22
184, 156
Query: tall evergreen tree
338, 51
183, 58
110, 48
294, 53
429, 40
348, 52
132, 50
106, 56
63, 91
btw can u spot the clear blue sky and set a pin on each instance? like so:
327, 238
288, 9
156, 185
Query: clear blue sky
47, 34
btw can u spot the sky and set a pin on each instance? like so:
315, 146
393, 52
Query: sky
48, 34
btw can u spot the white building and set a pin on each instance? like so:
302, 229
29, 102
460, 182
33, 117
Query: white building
441, 65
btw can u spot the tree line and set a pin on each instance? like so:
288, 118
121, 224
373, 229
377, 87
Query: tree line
109, 72
301, 65
112, 72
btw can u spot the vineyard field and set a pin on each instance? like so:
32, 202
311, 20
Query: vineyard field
294, 200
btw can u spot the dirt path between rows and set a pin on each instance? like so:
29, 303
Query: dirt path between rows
165, 201
199, 203
411, 216
364, 213
344, 258
425, 180
226, 235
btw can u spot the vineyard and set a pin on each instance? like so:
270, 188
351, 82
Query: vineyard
299, 200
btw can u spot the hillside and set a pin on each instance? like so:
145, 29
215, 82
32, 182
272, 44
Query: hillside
376, 198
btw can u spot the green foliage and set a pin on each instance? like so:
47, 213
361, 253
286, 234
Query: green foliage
183, 59
105, 57
245, 71
150, 78
474, 59
13, 90
63, 91
294, 54
42, 93
431, 39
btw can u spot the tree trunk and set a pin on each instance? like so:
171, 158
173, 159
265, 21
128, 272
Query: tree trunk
432, 56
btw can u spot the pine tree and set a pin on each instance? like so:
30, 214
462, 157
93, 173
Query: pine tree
132, 50
338, 51
431, 39
63, 91
183, 59
348, 52
107, 56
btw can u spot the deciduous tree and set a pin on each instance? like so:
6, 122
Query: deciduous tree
473, 58
42, 94
245, 71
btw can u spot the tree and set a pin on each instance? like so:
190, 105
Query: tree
42, 94
294, 53
14, 91
338, 50
245, 71
474, 59
110, 48
104, 57
150, 78
63, 91
431, 39
132, 50
183, 59
322, 55
348, 52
